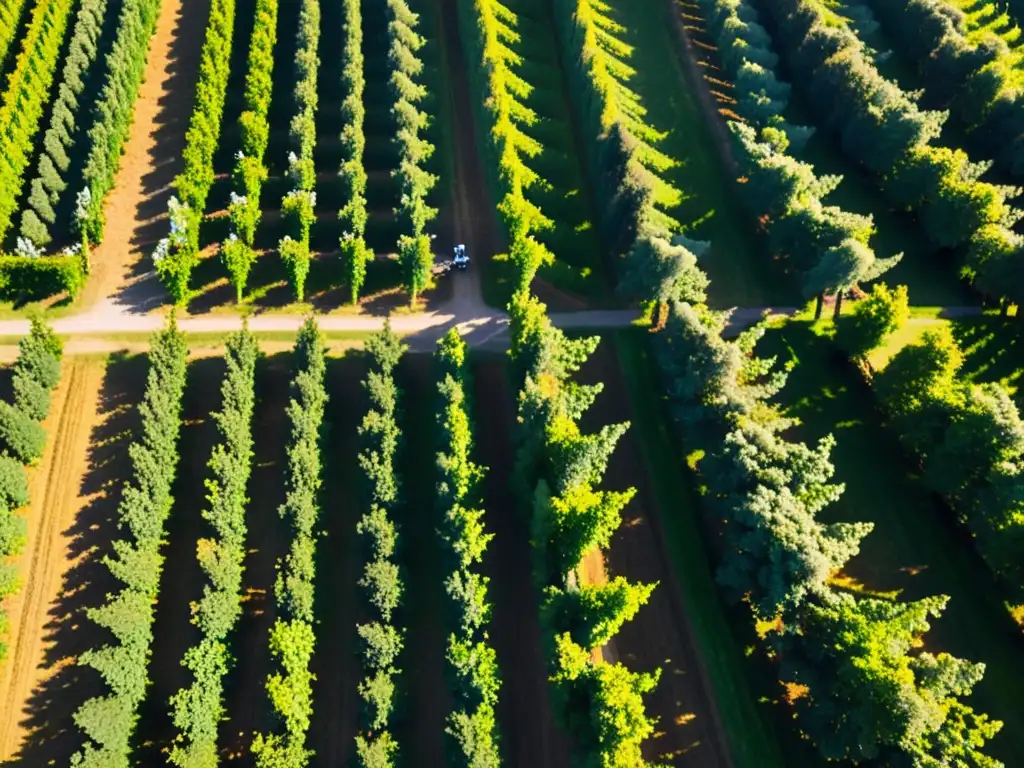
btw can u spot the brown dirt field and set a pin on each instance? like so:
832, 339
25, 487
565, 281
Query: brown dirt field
688, 732
530, 735
425, 700
268, 538
74, 492
335, 700
137, 206
182, 580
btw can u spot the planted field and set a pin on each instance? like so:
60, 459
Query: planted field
285, 484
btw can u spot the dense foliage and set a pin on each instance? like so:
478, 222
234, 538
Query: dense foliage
36, 373
302, 171
472, 661
109, 720
970, 439
291, 640
559, 470
28, 91
871, 692
125, 68
10, 18
355, 254
414, 150
250, 172
53, 172
198, 709
381, 641
36, 277
176, 256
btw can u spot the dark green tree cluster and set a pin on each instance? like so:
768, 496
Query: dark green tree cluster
871, 693
970, 439
10, 19
108, 721
505, 115
292, 638
414, 149
177, 255
250, 173
53, 179
36, 373
381, 641
294, 248
113, 111
355, 254
622, 155
884, 129
28, 91
559, 471
472, 661
197, 709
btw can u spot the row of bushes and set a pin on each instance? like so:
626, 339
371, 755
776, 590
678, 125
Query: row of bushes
559, 471
868, 691
28, 91
298, 207
108, 721
472, 661
355, 254
827, 247
175, 257
113, 113
10, 21
197, 709
487, 29
30, 278
381, 640
36, 373
250, 173
53, 172
414, 182
292, 638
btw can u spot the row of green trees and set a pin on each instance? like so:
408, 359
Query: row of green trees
884, 129
250, 173
108, 721
381, 641
414, 150
292, 638
176, 255
197, 709
355, 254
53, 171
36, 373
869, 692
505, 116
828, 248
10, 20
559, 471
28, 91
472, 661
299, 205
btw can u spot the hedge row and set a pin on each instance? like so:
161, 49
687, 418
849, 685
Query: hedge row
36, 373
472, 661
108, 721
197, 710
33, 278
381, 640
176, 256
53, 170
29, 87
113, 112
250, 173
10, 20
868, 690
559, 471
355, 254
294, 247
292, 638
882, 128
827, 247
414, 182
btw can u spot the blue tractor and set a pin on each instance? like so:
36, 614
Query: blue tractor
461, 260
